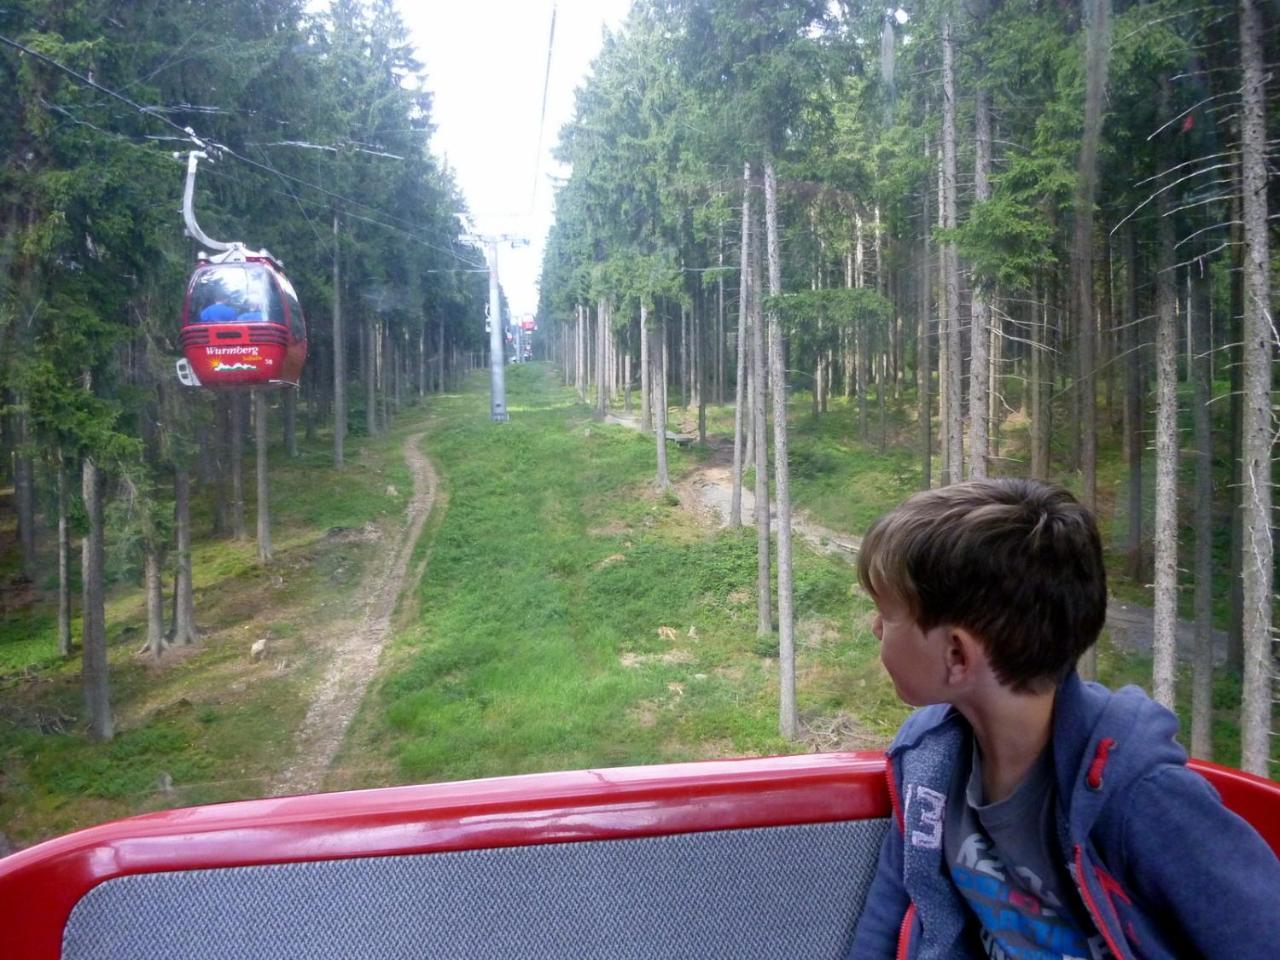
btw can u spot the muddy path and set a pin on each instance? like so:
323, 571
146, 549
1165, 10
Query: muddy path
709, 491
355, 653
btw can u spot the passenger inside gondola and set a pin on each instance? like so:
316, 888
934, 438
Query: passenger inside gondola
232, 293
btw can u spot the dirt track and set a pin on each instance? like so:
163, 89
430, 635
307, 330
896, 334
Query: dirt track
355, 654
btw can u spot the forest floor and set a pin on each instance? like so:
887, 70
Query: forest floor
355, 653
570, 616
1130, 625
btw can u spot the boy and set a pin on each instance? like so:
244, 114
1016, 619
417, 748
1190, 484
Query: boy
1037, 816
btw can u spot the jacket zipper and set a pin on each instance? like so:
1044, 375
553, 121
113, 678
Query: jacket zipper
1092, 906
904, 932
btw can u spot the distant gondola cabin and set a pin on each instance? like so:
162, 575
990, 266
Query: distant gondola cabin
242, 325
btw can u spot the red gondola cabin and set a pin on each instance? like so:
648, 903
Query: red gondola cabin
242, 325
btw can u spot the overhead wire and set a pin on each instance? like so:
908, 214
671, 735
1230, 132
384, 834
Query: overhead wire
542, 118
190, 135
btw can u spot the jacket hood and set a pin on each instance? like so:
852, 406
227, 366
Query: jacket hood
1121, 736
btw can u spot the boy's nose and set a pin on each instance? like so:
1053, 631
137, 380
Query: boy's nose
877, 624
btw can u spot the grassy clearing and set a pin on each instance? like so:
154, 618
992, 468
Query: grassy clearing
569, 617
207, 723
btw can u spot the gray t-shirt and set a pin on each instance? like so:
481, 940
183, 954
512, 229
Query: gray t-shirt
1002, 857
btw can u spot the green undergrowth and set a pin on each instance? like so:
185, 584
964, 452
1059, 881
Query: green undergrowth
572, 617
207, 723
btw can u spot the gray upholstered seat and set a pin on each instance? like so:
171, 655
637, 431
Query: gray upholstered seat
781, 893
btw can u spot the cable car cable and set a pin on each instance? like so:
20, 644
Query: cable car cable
190, 134
542, 119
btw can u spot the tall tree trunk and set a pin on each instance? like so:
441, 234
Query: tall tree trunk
64, 561
1202, 655
602, 337
184, 617
719, 331
760, 444
788, 721
980, 328
154, 593
1235, 368
944, 418
955, 418
370, 341
1259, 346
924, 363
1097, 19
685, 385
1039, 401
741, 423
24, 495
93, 641
659, 395
700, 373
235, 456
1133, 413
1166, 522
264, 492
339, 357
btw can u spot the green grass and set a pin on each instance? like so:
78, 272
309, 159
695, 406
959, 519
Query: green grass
206, 723
570, 617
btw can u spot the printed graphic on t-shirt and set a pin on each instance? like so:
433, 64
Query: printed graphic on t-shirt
1020, 915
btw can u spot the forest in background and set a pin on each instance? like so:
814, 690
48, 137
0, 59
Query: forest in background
317, 126
1045, 229
1056, 215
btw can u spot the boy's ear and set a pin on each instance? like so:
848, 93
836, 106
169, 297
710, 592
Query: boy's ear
966, 659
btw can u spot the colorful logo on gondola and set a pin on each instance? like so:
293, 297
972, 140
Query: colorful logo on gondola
245, 358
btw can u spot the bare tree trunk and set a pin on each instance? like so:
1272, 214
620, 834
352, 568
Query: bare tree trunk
924, 362
860, 346
1166, 522
24, 490
1202, 655
1259, 345
700, 373
93, 642
184, 618
659, 395
155, 595
1097, 19
626, 375
719, 331
1133, 414
980, 329
64, 562
685, 386
1039, 413
264, 492
944, 418
440, 356
236, 461
339, 358
602, 337
740, 422
370, 341
1235, 365
955, 419
788, 721
646, 372
760, 446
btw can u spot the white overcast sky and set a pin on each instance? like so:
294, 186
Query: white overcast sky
485, 62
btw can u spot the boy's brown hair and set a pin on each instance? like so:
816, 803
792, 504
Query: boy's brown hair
1018, 563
